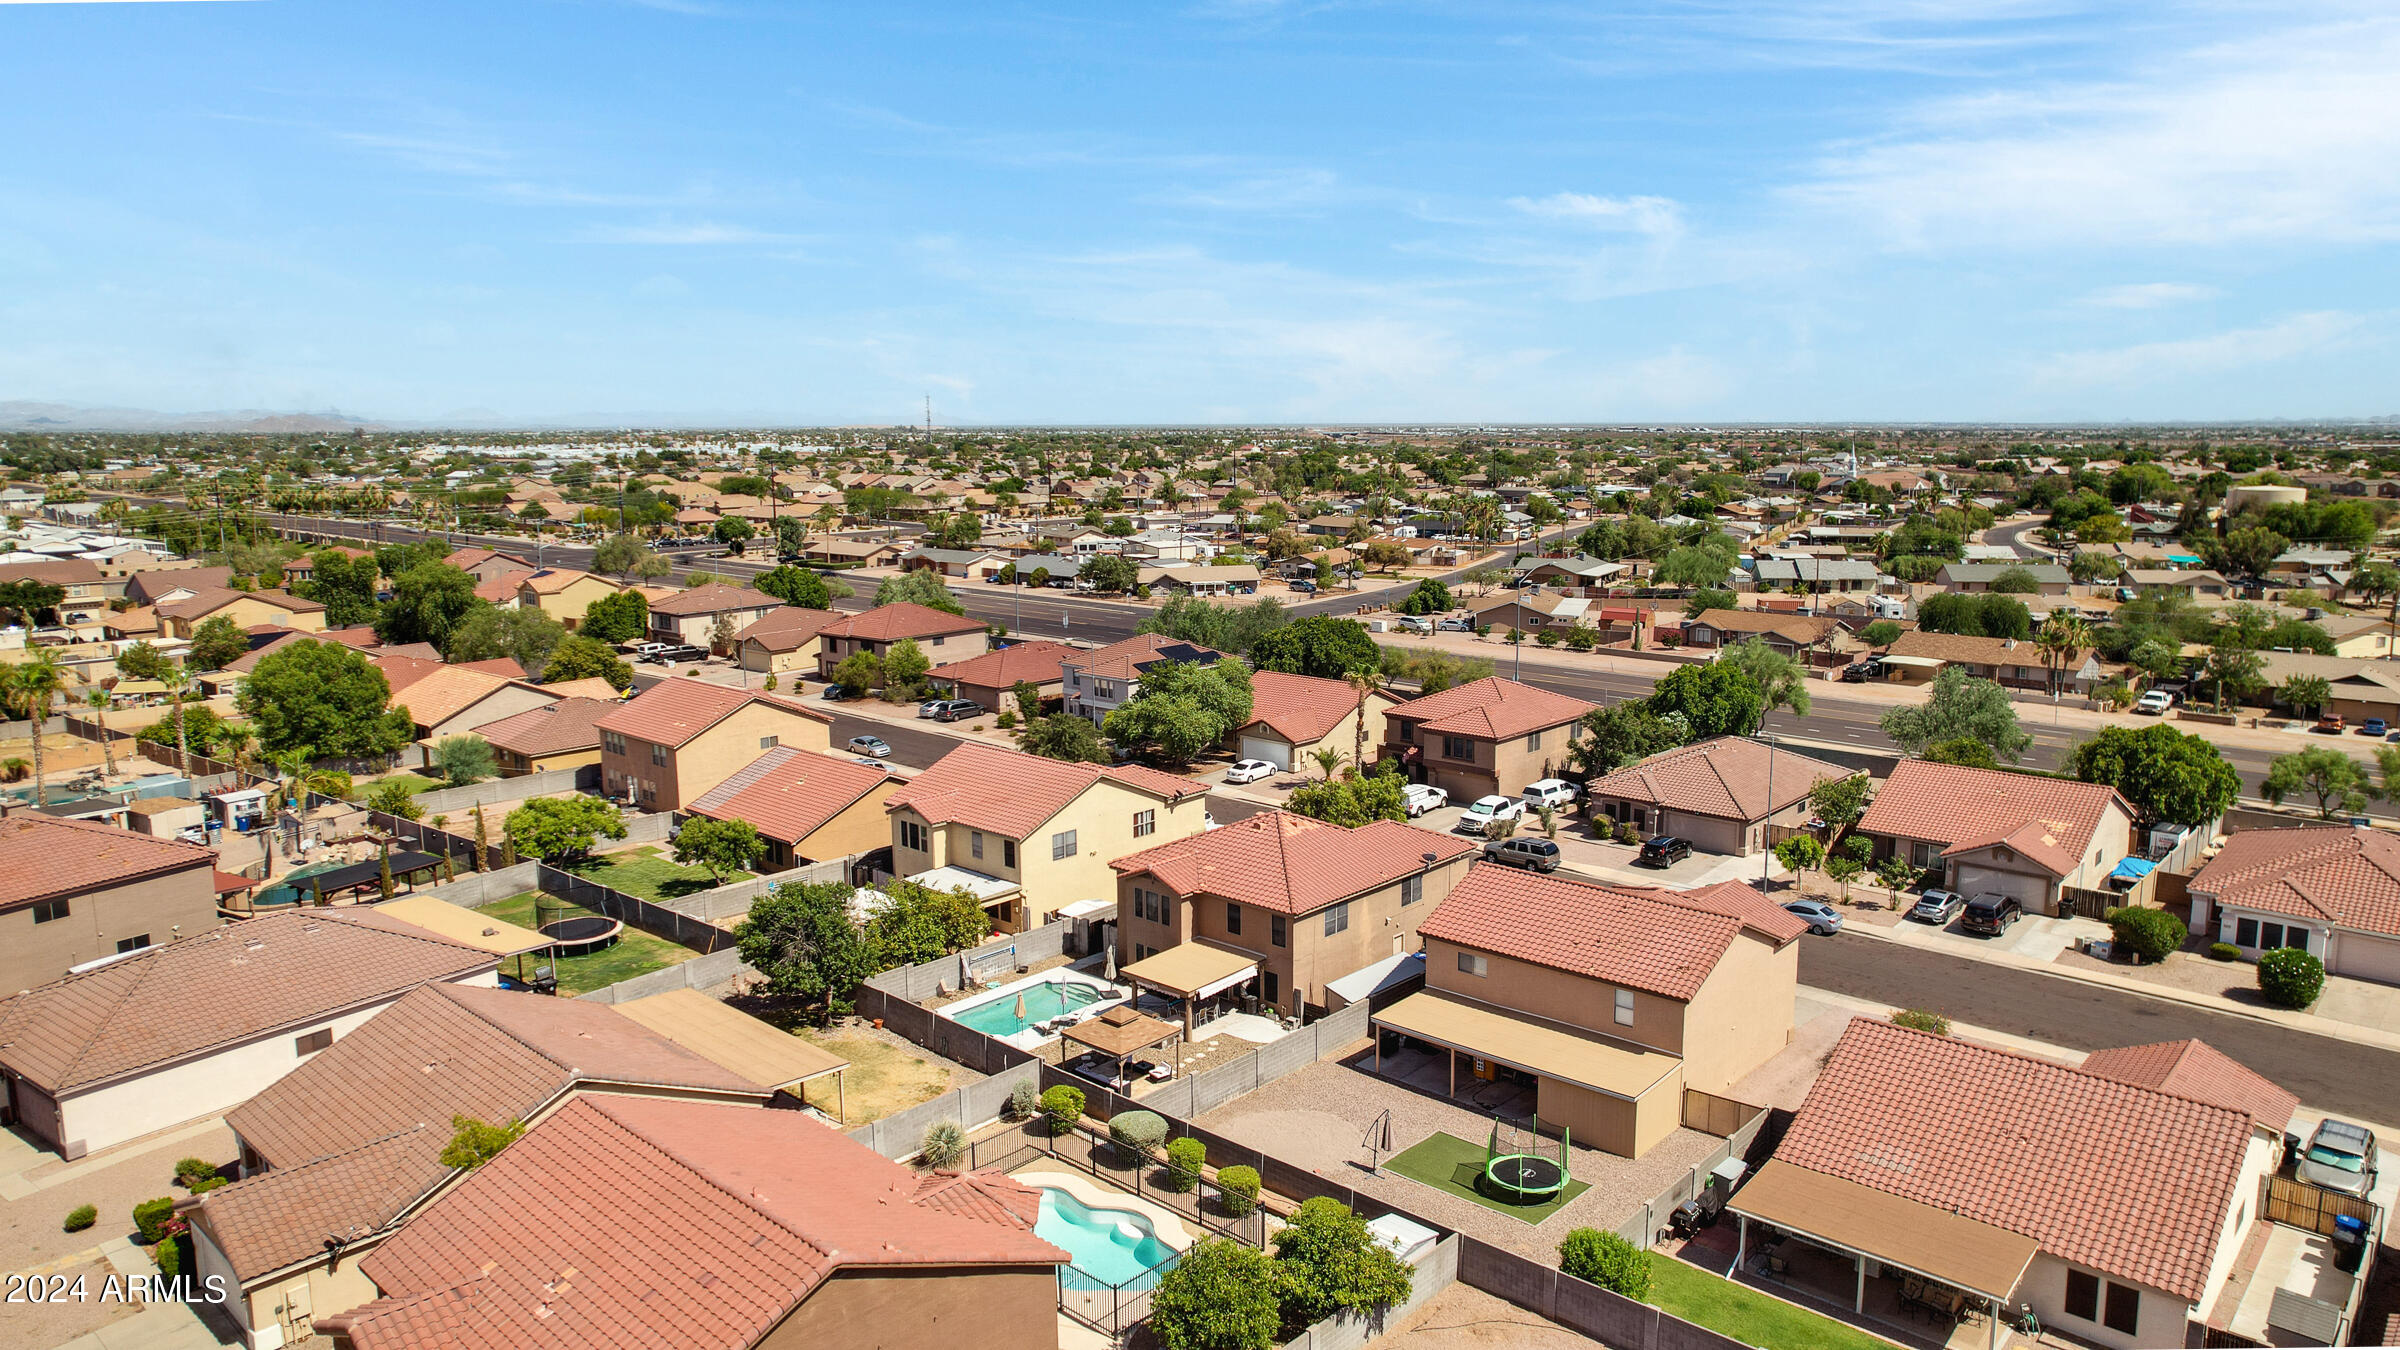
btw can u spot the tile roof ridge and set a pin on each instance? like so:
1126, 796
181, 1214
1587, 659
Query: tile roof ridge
1885, 1025
676, 1161
449, 992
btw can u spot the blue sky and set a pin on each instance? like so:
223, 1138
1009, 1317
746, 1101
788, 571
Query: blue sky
732, 211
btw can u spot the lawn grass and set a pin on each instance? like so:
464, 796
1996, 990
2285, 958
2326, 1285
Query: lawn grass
882, 1079
1745, 1314
650, 874
415, 782
634, 952
1449, 1163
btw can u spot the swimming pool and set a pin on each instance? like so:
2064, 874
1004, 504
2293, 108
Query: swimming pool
1114, 1248
1043, 1001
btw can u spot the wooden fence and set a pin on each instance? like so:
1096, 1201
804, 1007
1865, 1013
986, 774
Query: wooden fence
2298, 1204
1712, 1114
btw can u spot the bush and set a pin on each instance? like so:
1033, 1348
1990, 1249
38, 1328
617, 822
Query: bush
1329, 1262
2224, 951
206, 1184
2290, 977
944, 1144
1064, 1106
1548, 637
175, 1256
1626, 834
82, 1217
1008, 721
1023, 1100
189, 1170
1238, 1189
1606, 1260
150, 1217
1220, 1296
1136, 1133
1184, 1159
2149, 934
1919, 1019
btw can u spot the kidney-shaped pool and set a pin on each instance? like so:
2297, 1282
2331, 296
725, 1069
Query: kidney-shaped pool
1116, 1248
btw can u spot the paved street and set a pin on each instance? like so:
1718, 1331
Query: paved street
2339, 1076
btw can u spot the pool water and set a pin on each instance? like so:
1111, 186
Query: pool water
285, 890
1112, 1247
1043, 1001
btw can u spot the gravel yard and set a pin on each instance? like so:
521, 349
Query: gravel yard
30, 1228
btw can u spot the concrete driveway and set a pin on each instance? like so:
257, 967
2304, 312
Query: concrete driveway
2036, 937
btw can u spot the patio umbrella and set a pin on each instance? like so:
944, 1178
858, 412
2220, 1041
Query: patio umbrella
1110, 974
1020, 1007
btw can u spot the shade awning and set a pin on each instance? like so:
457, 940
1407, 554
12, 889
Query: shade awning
1192, 970
1951, 1248
1550, 1051
1919, 662
1122, 1031
463, 926
732, 1038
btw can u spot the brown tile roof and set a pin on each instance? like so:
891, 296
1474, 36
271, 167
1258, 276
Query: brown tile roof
552, 580
1127, 658
44, 856
1034, 661
2050, 820
1799, 629
58, 572
2332, 873
225, 985
714, 598
444, 693
501, 589
271, 1219
1493, 708
151, 584
628, 1221
1302, 709
785, 629
2200, 1071
470, 557
1292, 864
572, 723
1726, 777
1662, 941
788, 792
1979, 651
589, 687
2122, 1178
139, 619
891, 623
676, 709
1012, 794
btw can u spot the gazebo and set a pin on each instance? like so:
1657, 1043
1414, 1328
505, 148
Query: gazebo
1190, 972
1121, 1033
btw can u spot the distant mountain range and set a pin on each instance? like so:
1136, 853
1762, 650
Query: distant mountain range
28, 416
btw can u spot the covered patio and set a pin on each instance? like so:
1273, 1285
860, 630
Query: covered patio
1612, 1096
1191, 973
735, 1040
510, 942
1121, 1033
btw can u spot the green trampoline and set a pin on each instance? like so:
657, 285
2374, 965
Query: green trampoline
1520, 1167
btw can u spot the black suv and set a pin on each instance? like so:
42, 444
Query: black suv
1539, 854
1991, 914
1665, 851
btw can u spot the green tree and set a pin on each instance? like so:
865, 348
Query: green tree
1801, 853
1708, 598
904, 667
1109, 573
1704, 564
27, 602
32, 688
2016, 581
1839, 802
577, 657
1621, 733
733, 532
1220, 1296
918, 588
1965, 751
464, 759
2251, 550
723, 847
2165, 774
1182, 709
1781, 679
1716, 699
1063, 736
859, 672
427, 602
1222, 627
394, 797
2322, 772
795, 586
525, 636
1430, 597
913, 924
344, 585
324, 696
142, 661
801, 940
1959, 706
2235, 671
217, 643
1321, 646
1328, 1261
625, 556
562, 830
1351, 801
617, 618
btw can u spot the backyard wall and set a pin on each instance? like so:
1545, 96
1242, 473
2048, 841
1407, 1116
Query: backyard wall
970, 1108
1434, 1270
1610, 1318
473, 890
916, 983
701, 972
444, 800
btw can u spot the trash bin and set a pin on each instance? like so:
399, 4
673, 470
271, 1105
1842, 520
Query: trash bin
2349, 1243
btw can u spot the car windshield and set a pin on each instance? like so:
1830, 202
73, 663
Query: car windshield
2333, 1155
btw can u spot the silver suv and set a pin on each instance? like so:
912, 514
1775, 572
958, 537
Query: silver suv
1539, 854
2340, 1157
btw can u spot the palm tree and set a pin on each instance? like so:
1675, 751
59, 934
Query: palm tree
2061, 637
178, 681
35, 685
97, 700
1328, 759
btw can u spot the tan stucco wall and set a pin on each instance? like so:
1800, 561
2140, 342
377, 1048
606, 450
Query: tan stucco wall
1505, 767
756, 657
1555, 995
862, 825
1612, 1124
333, 1286
180, 904
1742, 1016
513, 766
990, 1308
569, 603
710, 757
1102, 818
249, 611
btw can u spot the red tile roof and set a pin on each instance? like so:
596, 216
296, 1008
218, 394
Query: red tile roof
444, 693
1493, 709
2121, 1178
2200, 1071
1127, 658
2336, 874
1662, 941
623, 1221
891, 623
1302, 709
1012, 794
44, 856
553, 728
222, 986
716, 597
785, 629
470, 557
788, 792
501, 587
1727, 777
675, 710
2050, 820
1292, 864
1033, 661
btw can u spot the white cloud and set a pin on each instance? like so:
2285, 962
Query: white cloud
2241, 349
2148, 295
1642, 215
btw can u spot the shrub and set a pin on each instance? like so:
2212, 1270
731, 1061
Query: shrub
1606, 1260
1626, 834
1023, 1100
175, 1255
206, 1184
150, 1217
189, 1170
1064, 1106
1329, 1262
2224, 951
2149, 934
1007, 720
1184, 1158
1136, 1133
2290, 977
1548, 637
944, 1144
82, 1217
1919, 1019
1220, 1296
1238, 1189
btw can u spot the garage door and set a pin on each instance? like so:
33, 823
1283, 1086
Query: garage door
1273, 751
2031, 892
2368, 958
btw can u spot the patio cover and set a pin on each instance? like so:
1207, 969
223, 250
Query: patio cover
732, 1038
1958, 1251
1920, 662
447, 920
1603, 1066
1121, 1031
1192, 970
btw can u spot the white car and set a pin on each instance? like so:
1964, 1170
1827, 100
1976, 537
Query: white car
2156, 701
1488, 809
1423, 797
1552, 792
1250, 771
870, 746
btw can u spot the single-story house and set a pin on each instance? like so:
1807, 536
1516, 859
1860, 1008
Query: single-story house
564, 734
783, 640
2040, 840
808, 807
1726, 794
2329, 889
1292, 717
991, 679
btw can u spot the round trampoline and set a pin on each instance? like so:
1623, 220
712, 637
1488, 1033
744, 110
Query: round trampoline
583, 933
1522, 1179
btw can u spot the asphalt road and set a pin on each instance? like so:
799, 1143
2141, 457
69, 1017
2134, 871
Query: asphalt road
2339, 1076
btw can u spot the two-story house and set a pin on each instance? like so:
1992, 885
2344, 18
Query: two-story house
563, 593
681, 737
84, 597
942, 637
247, 609
1102, 680
1485, 737
72, 891
1276, 906
2040, 840
1029, 836
699, 616
483, 564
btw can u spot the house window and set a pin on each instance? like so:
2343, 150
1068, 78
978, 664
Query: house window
975, 843
1233, 919
2245, 933
2296, 938
2270, 936
1923, 855
1457, 747
1624, 1007
313, 1041
1471, 964
1412, 889
912, 837
1337, 919
1144, 822
2123, 1311
2083, 1295
1279, 931
46, 910
1408, 731
1534, 741
134, 943
658, 754
1008, 853
1062, 845
769, 742
612, 742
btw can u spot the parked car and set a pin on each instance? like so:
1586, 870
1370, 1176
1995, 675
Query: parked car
957, 710
834, 693
1423, 797
1539, 854
193, 834
2331, 722
870, 746
641, 650
1937, 906
1412, 623
1859, 672
2373, 726
1488, 809
2155, 702
2340, 1157
1823, 919
930, 706
667, 656
1456, 625
1552, 792
1250, 771
1664, 850
1304, 587
1991, 914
